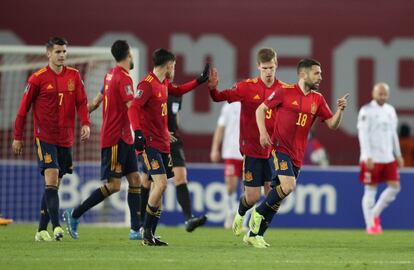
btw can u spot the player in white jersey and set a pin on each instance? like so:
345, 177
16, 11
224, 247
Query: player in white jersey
228, 133
380, 155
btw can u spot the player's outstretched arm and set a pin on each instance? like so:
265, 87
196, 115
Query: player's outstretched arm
96, 102
335, 120
179, 90
265, 140
204, 75
230, 95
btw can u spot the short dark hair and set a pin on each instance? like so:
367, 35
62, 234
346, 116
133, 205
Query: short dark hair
161, 56
307, 63
265, 55
120, 50
55, 41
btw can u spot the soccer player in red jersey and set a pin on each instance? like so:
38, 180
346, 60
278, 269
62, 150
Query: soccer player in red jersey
149, 119
296, 108
55, 93
256, 169
118, 153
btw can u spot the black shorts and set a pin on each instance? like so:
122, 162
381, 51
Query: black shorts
118, 160
53, 156
256, 171
157, 162
177, 153
281, 164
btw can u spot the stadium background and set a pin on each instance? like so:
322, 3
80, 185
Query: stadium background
357, 42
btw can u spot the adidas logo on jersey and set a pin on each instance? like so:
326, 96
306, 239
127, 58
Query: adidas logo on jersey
49, 86
256, 97
295, 103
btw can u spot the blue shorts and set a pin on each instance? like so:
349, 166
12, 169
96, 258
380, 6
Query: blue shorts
256, 171
281, 164
53, 156
157, 162
118, 160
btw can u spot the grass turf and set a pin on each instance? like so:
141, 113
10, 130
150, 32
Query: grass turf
207, 248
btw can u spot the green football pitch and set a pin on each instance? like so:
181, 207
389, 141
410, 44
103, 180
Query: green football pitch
207, 248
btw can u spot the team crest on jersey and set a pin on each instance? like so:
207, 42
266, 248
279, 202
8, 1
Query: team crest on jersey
48, 158
128, 89
155, 165
118, 168
248, 176
283, 166
71, 85
314, 108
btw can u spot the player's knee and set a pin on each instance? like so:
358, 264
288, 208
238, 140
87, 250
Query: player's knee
134, 179
288, 188
252, 196
231, 187
113, 187
396, 189
51, 177
161, 186
266, 188
146, 183
393, 191
180, 180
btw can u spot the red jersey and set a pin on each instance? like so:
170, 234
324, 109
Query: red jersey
251, 93
118, 90
55, 99
149, 111
295, 114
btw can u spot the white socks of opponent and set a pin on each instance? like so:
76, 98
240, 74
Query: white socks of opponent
372, 209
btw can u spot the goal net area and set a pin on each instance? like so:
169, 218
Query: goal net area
21, 185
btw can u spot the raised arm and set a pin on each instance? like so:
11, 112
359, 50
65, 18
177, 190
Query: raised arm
335, 120
96, 102
179, 90
230, 95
